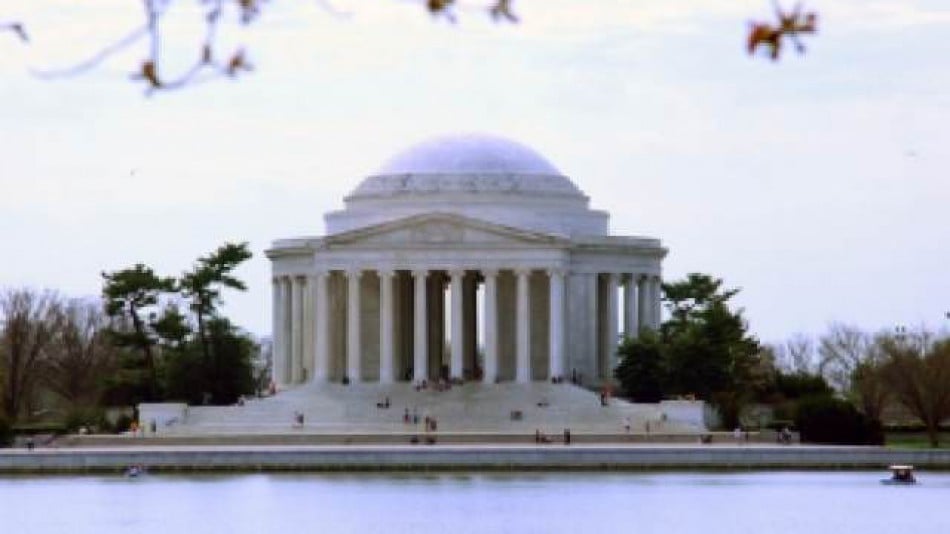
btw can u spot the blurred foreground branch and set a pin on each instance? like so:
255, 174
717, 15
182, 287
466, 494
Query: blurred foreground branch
213, 59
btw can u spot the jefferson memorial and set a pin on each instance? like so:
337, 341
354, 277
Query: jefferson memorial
466, 257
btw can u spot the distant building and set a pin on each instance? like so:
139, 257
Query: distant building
498, 226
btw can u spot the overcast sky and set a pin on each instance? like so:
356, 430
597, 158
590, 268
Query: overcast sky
819, 185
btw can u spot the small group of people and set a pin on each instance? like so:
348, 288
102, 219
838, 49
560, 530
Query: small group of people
541, 437
439, 385
298, 419
576, 378
410, 419
740, 435
384, 404
429, 440
784, 436
605, 395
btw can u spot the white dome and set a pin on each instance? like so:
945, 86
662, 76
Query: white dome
471, 164
476, 175
468, 154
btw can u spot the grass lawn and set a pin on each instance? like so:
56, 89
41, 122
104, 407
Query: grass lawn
915, 440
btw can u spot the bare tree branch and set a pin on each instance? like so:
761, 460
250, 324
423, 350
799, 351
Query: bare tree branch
17, 28
789, 25
97, 58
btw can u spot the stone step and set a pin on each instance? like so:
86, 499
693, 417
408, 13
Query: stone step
475, 407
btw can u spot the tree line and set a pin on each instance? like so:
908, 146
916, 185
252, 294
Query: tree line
150, 338
836, 389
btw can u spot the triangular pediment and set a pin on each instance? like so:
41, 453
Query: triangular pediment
442, 229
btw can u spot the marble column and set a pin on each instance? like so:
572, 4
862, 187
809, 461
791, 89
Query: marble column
643, 302
490, 372
354, 351
307, 358
455, 365
296, 329
612, 333
386, 374
321, 368
420, 352
470, 324
631, 323
277, 338
523, 326
286, 330
657, 297
556, 324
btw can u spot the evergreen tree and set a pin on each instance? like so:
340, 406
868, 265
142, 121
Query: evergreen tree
131, 296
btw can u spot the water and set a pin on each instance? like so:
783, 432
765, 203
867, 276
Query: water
708, 503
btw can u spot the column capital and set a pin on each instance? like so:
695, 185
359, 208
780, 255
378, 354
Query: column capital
420, 273
489, 273
354, 272
456, 273
556, 272
523, 271
386, 273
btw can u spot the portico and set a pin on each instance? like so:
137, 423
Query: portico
469, 258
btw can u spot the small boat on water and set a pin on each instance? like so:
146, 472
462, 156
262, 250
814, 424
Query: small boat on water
134, 471
901, 475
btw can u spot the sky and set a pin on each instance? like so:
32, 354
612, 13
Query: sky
818, 184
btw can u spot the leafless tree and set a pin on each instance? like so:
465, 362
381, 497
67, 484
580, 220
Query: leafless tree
80, 355
30, 322
918, 373
869, 389
796, 355
840, 352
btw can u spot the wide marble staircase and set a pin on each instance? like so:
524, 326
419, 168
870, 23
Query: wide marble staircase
468, 408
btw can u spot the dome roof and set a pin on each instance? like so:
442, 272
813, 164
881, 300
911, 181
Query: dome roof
467, 163
468, 154
475, 175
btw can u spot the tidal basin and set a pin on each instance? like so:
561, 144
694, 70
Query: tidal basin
709, 502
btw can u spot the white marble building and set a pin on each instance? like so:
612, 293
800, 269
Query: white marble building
535, 283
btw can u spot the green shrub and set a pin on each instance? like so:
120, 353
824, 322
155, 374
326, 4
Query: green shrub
800, 385
824, 419
33, 429
6, 432
640, 372
122, 423
93, 419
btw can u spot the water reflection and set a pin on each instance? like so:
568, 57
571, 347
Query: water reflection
708, 502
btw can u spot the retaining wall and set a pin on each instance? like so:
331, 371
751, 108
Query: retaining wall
464, 457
